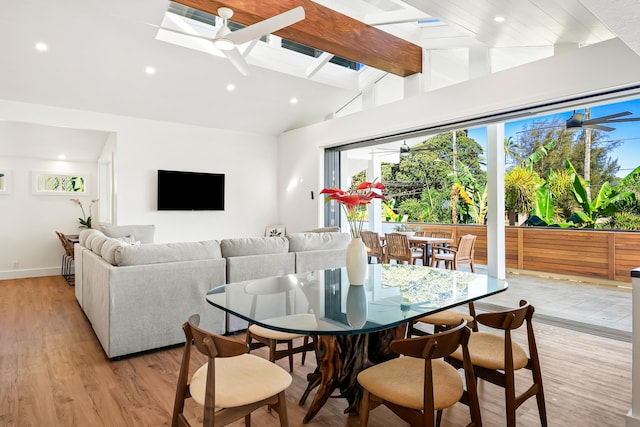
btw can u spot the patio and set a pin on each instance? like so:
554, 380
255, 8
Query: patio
596, 309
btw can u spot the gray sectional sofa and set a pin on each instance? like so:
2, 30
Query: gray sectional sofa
136, 294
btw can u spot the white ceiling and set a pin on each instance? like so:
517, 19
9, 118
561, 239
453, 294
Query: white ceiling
98, 51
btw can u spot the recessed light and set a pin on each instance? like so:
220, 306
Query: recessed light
62, 157
293, 101
42, 47
231, 87
150, 70
499, 19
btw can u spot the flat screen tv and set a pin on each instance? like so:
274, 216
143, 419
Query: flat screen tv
190, 191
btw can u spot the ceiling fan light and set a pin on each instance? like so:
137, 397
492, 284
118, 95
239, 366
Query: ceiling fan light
224, 44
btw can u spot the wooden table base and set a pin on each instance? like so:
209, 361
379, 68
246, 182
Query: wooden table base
340, 358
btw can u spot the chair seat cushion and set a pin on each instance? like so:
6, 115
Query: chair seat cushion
487, 350
446, 318
443, 256
240, 380
302, 321
401, 381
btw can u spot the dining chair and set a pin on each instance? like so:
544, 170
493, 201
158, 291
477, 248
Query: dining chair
273, 339
495, 358
453, 256
278, 292
398, 248
67, 259
231, 384
375, 249
443, 320
420, 383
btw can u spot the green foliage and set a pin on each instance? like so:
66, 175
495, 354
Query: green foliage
420, 183
388, 214
624, 221
604, 205
520, 186
411, 207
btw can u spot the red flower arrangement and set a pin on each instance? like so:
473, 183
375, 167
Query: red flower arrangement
354, 202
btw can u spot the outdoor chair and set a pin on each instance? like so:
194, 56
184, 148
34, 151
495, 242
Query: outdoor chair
453, 256
495, 358
398, 248
420, 382
231, 384
375, 249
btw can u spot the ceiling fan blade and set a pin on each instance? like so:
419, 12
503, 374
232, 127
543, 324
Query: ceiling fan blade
599, 127
605, 119
630, 119
236, 58
268, 26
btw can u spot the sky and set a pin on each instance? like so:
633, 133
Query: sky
627, 153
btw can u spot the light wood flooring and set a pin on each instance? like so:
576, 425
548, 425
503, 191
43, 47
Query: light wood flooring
53, 372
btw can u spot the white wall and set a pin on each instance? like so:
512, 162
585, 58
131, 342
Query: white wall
249, 161
28, 221
605, 66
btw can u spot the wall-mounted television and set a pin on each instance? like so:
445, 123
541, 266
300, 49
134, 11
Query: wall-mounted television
190, 191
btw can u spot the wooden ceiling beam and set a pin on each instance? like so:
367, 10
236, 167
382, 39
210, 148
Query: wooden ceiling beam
326, 30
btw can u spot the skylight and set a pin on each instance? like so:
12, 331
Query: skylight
271, 52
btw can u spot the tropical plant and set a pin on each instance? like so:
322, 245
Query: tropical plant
605, 203
520, 186
388, 213
471, 192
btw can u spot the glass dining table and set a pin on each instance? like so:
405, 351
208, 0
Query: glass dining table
353, 325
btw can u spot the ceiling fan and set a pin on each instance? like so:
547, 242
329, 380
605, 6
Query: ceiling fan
577, 121
227, 41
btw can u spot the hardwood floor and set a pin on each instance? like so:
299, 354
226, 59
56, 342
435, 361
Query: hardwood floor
53, 372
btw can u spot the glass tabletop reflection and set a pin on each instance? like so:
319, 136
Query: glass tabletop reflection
323, 303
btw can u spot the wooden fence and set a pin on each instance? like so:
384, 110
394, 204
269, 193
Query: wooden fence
597, 254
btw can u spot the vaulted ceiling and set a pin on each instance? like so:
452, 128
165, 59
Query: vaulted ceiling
99, 49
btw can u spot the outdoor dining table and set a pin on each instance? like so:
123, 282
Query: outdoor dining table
426, 243
353, 325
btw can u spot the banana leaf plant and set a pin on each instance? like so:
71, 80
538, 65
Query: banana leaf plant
606, 203
537, 155
472, 193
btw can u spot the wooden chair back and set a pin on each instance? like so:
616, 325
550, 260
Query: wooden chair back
500, 370
430, 347
371, 240
397, 248
214, 347
68, 248
466, 248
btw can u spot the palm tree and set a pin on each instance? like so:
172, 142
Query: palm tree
511, 151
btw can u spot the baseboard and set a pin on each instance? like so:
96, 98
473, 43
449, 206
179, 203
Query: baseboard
29, 272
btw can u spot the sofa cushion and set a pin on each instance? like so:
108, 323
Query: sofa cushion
244, 246
97, 242
300, 242
324, 230
166, 252
82, 236
88, 237
142, 233
109, 250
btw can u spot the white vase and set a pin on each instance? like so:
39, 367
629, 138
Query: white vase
356, 261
